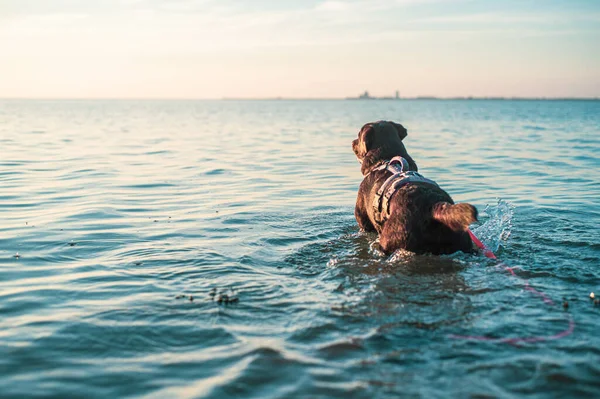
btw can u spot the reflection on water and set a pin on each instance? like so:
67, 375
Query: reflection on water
132, 218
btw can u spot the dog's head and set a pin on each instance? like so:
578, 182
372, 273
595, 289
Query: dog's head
378, 141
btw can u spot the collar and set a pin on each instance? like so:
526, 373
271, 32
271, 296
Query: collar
394, 165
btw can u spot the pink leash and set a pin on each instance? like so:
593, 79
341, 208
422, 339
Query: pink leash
489, 254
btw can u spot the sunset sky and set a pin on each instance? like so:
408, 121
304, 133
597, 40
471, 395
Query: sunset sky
311, 48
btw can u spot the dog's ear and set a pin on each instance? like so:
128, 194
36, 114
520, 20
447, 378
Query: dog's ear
363, 143
402, 132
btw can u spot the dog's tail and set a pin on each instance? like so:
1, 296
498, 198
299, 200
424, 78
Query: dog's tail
457, 217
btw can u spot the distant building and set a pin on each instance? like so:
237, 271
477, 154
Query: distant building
367, 96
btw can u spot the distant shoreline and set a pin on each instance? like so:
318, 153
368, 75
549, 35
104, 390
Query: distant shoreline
419, 98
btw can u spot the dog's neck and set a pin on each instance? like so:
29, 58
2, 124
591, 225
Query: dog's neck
371, 160
375, 158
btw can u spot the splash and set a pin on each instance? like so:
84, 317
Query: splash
375, 249
401, 256
496, 230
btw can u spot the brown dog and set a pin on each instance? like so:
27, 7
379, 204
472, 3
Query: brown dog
407, 210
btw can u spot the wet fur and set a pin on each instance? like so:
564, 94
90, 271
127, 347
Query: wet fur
423, 218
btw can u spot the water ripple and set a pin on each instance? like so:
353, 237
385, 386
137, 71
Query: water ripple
209, 249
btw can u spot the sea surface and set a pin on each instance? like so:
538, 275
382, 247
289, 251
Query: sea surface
209, 249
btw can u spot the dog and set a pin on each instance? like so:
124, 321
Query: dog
407, 210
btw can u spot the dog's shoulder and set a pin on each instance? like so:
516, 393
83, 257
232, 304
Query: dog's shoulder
364, 200
371, 182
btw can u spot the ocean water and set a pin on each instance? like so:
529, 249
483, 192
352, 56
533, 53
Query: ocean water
124, 224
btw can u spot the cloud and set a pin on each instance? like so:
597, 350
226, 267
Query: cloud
178, 27
332, 5
511, 18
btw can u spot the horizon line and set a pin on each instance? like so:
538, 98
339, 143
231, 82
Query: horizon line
282, 98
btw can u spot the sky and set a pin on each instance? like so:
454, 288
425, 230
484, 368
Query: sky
298, 49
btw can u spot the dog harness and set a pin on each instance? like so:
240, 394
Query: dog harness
401, 176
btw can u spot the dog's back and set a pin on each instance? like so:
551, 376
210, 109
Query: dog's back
424, 219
